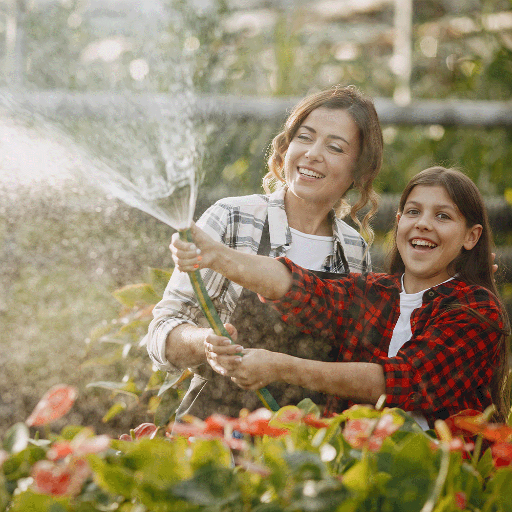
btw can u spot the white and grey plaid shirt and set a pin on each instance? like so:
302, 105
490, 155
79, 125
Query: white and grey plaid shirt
238, 222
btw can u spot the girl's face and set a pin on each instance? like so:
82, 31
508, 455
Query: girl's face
322, 156
431, 234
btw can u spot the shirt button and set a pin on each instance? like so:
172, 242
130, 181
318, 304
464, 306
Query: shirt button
430, 294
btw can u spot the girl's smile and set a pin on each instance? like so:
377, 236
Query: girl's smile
431, 233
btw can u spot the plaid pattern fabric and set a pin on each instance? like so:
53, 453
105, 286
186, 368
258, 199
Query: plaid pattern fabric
238, 222
447, 365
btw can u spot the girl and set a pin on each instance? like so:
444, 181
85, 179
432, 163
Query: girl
332, 141
430, 336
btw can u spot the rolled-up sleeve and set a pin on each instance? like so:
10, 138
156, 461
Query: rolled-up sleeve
179, 304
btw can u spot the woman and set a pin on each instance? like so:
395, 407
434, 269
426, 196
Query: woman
430, 336
331, 142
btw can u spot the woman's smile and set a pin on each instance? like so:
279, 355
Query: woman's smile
321, 158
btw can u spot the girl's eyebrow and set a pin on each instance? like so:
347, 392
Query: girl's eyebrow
331, 136
436, 206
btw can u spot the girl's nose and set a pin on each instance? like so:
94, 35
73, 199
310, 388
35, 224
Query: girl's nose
423, 222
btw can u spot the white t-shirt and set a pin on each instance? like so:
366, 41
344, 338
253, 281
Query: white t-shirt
309, 251
402, 332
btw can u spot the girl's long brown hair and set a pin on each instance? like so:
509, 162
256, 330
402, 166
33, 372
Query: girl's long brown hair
363, 112
473, 267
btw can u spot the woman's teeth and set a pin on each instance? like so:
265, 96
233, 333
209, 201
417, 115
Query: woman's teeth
309, 173
424, 243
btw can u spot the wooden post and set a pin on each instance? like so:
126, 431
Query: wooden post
402, 51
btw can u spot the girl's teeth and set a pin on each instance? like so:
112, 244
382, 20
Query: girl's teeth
423, 243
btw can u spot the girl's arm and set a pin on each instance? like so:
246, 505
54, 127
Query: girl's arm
360, 382
260, 274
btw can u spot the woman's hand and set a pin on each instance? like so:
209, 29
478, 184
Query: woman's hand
222, 355
250, 369
189, 256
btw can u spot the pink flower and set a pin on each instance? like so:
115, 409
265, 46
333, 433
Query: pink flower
145, 430
369, 432
64, 479
55, 403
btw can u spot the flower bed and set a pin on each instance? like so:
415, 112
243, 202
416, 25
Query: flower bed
292, 460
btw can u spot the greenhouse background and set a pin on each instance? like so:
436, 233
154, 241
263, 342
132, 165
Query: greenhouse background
86, 80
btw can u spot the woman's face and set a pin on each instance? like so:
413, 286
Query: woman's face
321, 158
430, 235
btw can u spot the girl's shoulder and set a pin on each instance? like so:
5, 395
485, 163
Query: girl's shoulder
469, 295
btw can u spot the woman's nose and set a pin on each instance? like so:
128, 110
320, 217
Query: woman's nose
314, 152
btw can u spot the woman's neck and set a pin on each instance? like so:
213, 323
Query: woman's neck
306, 217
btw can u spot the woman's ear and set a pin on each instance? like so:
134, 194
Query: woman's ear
472, 236
398, 215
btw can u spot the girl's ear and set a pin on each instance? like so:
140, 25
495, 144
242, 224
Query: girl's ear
472, 236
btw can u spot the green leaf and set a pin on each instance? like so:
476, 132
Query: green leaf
136, 295
211, 486
175, 379
16, 439
156, 380
159, 278
29, 500
210, 452
169, 402
115, 410
127, 388
485, 465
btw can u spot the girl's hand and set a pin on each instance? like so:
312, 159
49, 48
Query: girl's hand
222, 355
192, 256
256, 370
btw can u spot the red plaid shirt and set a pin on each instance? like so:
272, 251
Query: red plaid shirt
445, 367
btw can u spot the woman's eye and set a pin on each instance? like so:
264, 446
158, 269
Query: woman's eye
412, 211
304, 137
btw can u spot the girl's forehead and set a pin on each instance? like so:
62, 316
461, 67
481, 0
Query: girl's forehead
430, 194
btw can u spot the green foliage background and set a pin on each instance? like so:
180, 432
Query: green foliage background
65, 255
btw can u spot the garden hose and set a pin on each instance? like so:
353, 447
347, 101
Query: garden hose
214, 320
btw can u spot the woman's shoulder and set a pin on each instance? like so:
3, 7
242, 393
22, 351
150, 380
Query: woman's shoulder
348, 232
243, 202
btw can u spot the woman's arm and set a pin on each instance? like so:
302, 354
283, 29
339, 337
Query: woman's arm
261, 274
175, 338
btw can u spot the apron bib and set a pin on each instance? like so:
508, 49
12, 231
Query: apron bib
258, 326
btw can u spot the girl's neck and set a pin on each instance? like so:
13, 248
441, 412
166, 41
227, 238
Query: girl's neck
306, 217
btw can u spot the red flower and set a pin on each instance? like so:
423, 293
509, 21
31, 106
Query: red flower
313, 421
502, 454
55, 403
477, 425
256, 423
452, 421
460, 500
60, 479
125, 437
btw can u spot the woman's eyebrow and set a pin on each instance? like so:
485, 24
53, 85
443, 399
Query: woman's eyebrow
331, 136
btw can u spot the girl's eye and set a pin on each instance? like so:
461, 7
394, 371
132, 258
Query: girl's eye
443, 216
